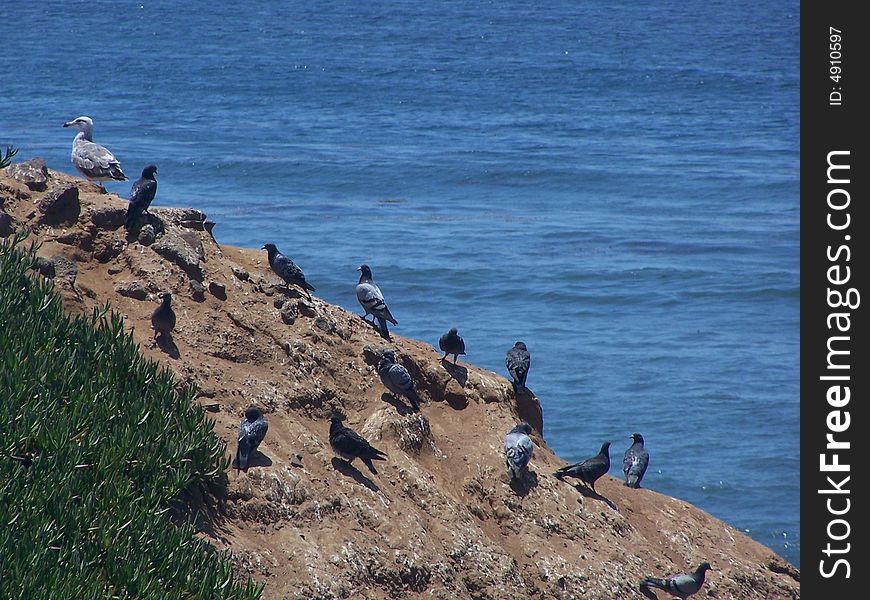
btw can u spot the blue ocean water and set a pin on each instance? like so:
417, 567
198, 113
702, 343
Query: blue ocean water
616, 184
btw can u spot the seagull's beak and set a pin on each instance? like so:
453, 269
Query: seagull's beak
263, 248
359, 268
69, 124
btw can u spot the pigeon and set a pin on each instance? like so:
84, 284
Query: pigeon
372, 300
517, 362
92, 160
397, 379
252, 430
349, 445
518, 449
141, 195
163, 317
451, 343
681, 586
287, 270
590, 470
635, 461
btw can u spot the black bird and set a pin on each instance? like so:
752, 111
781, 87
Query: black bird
681, 586
252, 430
163, 317
590, 470
635, 461
518, 449
141, 194
349, 445
451, 343
287, 270
397, 379
517, 362
372, 300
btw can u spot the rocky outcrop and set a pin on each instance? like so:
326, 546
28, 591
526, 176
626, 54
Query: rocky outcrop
440, 519
32, 173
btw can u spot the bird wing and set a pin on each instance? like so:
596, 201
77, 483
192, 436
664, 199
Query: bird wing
369, 295
518, 448
93, 158
400, 377
143, 192
684, 584
286, 268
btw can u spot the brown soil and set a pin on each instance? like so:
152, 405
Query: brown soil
440, 519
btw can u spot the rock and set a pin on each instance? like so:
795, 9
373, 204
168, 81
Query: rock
80, 238
147, 235
59, 206
57, 267
133, 290
107, 247
5, 224
325, 325
197, 290
176, 250
279, 301
306, 308
240, 273
194, 242
218, 290
183, 217
32, 173
108, 217
296, 460
289, 312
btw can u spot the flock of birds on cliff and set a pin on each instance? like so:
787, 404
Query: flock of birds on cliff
96, 163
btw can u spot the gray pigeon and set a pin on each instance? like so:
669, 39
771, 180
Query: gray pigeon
635, 461
141, 195
252, 430
92, 160
451, 343
286, 269
681, 586
518, 449
397, 379
349, 445
372, 300
517, 362
163, 317
590, 470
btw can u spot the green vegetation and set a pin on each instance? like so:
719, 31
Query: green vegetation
95, 443
5, 161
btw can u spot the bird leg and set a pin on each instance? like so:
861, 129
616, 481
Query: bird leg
445, 356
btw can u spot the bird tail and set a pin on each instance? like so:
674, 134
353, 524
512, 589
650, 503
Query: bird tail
389, 316
632, 482
516, 461
308, 287
242, 457
644, 589
561, 472
415, 399
368, 462
132, 215
648, 582
382, 326
117, 174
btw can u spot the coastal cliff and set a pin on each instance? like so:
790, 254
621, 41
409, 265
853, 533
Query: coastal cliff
441, 518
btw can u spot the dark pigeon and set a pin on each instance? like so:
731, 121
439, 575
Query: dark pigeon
286, 269
451, 343
252, 430
141, 195
590, 470
163, 317
397, 379
517, 362
518, 449
349, 445
372, 300
681, 586
635, 461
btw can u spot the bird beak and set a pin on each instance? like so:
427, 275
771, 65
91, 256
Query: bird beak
263, 248
359, 268
69, 124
